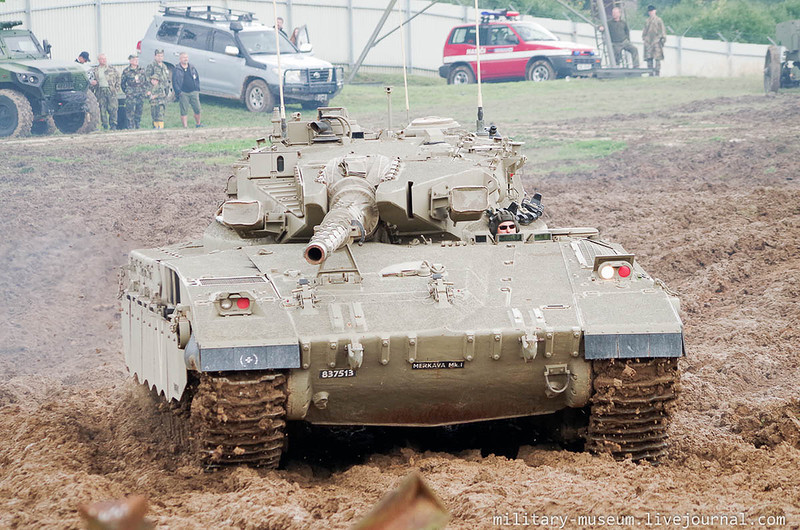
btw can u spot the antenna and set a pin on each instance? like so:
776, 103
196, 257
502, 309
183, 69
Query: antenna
479, 125
403, 50
280, 70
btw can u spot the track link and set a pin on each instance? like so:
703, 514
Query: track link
631, 407
240, 419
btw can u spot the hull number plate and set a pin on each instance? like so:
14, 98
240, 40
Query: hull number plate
436, 365
334, 374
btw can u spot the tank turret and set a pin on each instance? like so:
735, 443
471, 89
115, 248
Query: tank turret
358, 277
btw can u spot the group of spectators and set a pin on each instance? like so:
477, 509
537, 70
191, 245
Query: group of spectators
654, 35
139, 84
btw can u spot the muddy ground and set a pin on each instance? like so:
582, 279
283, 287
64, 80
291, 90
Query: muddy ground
707, 196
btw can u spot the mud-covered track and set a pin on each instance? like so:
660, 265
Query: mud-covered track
240, 419
631, 407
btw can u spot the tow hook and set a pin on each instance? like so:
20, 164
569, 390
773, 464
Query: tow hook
556, 370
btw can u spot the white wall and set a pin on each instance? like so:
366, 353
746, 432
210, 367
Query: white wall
339, 30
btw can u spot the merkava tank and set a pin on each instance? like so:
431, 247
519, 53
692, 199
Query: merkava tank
360, 278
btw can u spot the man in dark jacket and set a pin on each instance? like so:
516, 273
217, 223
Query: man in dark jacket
621, 38
186, 84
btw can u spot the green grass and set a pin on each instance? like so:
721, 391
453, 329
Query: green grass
143, 148
511, 106
568, 169
590, 149
60, 160
234, 146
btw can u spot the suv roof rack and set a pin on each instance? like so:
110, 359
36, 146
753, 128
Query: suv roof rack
10, 24
210, 13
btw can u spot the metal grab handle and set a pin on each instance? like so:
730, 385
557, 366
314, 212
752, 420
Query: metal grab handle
556, 369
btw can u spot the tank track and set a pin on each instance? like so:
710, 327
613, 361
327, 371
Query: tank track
239, 419
631, 407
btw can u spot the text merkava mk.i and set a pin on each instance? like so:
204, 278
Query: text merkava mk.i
361, 278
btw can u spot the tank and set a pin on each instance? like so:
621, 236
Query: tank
376, 278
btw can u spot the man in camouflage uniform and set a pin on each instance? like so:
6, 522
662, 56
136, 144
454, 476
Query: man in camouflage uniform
105, 85
158, 101
135, 84
160, 90
654, 35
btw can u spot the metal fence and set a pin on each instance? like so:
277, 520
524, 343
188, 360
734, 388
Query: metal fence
340, 29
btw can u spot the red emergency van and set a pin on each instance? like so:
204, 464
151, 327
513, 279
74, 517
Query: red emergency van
513, 49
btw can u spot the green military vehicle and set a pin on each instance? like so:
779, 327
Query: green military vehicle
39, 94
782, 61
354, 277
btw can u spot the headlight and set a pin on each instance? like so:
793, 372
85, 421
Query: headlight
30, 79
226, 303
293, 77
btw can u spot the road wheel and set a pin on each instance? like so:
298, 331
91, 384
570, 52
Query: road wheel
461, 75
80, 122
257, 96
43, 127
540, 70
772, 70
16, 115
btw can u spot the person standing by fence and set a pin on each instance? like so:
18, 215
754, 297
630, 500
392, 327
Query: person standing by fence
654, 36
186, 83
159, 91
621, 38
134, 83
105, 85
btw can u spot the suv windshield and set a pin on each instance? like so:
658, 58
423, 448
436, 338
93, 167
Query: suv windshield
22, 46
529, 31
263, 42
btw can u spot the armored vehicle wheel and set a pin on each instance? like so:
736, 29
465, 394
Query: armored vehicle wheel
43, 127
240, 419
772, 70
257, 96
631, 407
80, 122
461, 75
540, 70
16, 115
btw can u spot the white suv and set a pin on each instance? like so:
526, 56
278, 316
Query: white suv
235, 57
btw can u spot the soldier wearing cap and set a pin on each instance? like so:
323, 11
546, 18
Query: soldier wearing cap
105, 85
158, 101
83, 58
160, 90
135, 84
654, 36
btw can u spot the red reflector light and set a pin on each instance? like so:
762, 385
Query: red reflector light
243, 303
139, 46
624, 271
